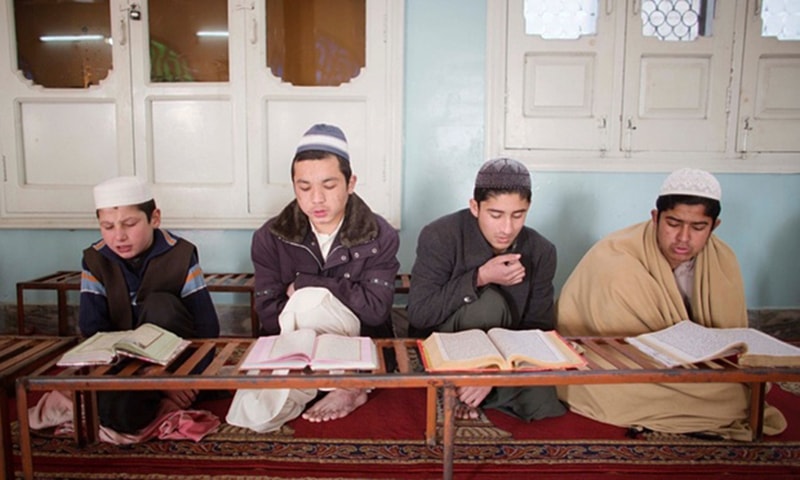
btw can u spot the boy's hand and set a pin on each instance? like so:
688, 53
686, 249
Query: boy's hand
503, 269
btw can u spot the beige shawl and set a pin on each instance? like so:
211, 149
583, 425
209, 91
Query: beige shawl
624, 286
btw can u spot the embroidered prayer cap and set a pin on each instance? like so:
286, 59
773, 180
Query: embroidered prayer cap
503, 173
121, 191
328, 138
691, 181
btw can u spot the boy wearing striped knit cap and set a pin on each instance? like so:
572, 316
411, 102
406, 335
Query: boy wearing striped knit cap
326, 262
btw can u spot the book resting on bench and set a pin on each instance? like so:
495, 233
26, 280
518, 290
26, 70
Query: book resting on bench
148, 342
498, 349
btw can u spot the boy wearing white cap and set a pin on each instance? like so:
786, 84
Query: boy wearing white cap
325, 262
648, 277
138, 273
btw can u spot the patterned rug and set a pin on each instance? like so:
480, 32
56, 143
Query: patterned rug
384, 439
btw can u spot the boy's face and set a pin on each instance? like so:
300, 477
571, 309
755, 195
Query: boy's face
500, 218
126, 229
682, 232
322, 192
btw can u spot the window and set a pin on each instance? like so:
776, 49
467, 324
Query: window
644, 85
206, 99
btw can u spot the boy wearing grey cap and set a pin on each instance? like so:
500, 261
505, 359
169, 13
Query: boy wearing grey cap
326, 262
139, 273
648, 277
481, 267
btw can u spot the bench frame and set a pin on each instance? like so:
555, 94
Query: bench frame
609, 361
20, 356
66, 280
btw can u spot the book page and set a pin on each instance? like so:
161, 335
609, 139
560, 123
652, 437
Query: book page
342, 352
97, 349
759, 343
150, 342
143, 336
461, 351
687, 342
292, 344
465, 345
533, 344
289, 350
337, 347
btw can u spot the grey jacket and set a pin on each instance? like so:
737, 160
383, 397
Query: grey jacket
449, 252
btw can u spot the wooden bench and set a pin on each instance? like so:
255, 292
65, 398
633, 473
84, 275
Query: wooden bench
609, 361
20, 356
64, 281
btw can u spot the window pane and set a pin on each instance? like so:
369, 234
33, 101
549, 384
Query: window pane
63, 44
188, 41
676, 20
316, 42
781, 19
560, 19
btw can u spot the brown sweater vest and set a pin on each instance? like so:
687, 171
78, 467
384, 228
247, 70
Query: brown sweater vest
164, 273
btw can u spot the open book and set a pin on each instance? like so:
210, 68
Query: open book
687, 342
499, 349
304, 348
147, 342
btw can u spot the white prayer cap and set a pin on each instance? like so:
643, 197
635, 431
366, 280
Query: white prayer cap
121, 191
691, 181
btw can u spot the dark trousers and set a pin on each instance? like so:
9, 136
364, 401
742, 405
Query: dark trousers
488, 311
129, 412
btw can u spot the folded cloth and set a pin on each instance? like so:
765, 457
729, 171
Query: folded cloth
174, 425
55, 409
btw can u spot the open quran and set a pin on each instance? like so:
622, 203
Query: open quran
687, 342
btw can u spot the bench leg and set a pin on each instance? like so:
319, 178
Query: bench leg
62, 313
430, 416
20, 310
6, 452
26, 451
757, 394
449, 433
255, 325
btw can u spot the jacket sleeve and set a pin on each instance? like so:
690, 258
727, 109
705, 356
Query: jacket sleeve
370, 296
93, 314
541, 312
270, 291
437, 290
198, 301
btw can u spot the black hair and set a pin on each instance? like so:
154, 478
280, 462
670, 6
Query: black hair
482, 193
344, 164
668, 202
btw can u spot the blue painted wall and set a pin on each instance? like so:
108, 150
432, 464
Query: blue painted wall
444, 121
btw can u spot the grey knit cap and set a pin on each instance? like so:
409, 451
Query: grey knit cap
503, 173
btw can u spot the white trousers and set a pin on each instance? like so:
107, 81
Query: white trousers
266, 410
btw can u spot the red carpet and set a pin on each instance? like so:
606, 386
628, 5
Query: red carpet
384, 439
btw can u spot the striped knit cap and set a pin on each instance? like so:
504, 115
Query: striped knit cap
327, 138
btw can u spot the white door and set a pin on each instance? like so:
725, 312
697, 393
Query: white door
66, 125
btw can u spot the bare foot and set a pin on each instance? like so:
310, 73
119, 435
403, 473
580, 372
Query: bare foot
465, 412
337, 404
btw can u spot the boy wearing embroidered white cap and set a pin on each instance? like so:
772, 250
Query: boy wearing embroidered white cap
138, 273
648, 277
325, 262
